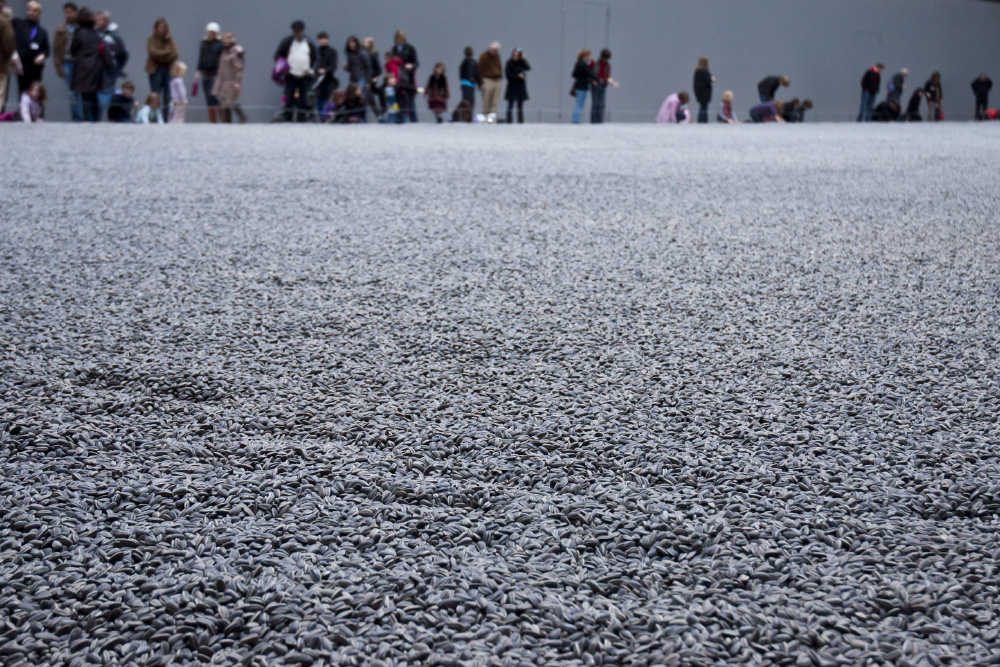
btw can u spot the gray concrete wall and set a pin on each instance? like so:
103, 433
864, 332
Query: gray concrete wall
823, 45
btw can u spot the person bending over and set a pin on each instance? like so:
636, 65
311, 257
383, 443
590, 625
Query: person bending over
768, 86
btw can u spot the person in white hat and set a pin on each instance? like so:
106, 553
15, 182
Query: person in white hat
208, 67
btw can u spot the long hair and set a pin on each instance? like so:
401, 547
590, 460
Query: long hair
583, 54
347, 44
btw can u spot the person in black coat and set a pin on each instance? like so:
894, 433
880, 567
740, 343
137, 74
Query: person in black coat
92, 62
468, 74
326, 68
886, 112
406, 90
703, 89
912, 114
981, 89
870, 84
768, 86
517, 85
32, 46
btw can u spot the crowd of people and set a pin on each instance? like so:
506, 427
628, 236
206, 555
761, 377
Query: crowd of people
88, 53
932, 94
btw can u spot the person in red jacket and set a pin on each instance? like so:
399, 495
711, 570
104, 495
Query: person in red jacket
870, 83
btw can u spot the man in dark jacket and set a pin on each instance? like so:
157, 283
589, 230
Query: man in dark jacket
981, 89
896, 86
870, 83
115, 45
768, 86
326, 68
63, 61
406, 92
32, 45
301, 55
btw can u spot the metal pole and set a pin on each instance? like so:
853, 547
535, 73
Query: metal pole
562, 51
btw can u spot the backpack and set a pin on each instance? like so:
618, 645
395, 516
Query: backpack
280, 71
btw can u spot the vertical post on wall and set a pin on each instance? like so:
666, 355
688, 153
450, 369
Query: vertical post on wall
562, 51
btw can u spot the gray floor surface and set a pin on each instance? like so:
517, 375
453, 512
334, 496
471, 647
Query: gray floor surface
541, 395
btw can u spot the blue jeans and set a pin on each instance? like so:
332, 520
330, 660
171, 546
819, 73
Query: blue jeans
159, 82
597, 105
702, 113
765, 98
104, 100
75, 105
867, 104
581, 97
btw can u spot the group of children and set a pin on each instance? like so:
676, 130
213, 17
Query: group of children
675, 109
351, 104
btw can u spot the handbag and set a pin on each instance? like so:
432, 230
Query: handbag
572, 91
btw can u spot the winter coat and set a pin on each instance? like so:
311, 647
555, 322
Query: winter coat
208, 57
286, 45
230, 73
92, 61
32, 41
161, 52
768, 86
913, 108
437, 93
8, 43
583, 75
517, 88
408, 54
933, 91
116, 45
703, 85
469, 71
376, 66
359, 66
981, 88
61, 41
669, 109
490, 66
883, 113
871, 81
326, 59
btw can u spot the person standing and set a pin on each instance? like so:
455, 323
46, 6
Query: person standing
116, 46
934, 95
301, 55
208, 67
583, 78
981, 89
896, 86
768, 86
870, 83
517, 85
63, 61
229, 81
407, 88
600, 88
91, 65
371, 92
491, 80
326, 70
703, 88
468, 72
32, 46
161, 50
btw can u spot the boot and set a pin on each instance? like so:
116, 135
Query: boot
211, 115
520, 116
510, 117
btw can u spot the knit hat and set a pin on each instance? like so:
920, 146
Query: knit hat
213, 27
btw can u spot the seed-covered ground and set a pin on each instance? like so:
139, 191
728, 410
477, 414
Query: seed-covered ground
500, 395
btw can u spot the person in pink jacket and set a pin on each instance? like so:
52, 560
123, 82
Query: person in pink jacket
675, 110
